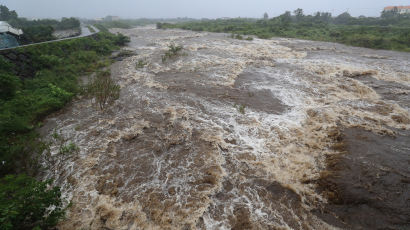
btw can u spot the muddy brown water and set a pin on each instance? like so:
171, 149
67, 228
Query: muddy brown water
239, 95
237, 134
369, 183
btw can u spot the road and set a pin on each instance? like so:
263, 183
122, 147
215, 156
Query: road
85, 32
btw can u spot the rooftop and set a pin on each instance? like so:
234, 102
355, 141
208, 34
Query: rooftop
398, 7
7, 28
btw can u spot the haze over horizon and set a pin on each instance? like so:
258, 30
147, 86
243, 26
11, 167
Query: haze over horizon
189, 8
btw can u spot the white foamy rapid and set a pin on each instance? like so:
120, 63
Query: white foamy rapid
226, 135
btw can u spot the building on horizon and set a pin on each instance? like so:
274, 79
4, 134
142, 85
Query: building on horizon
400, 9
111, 18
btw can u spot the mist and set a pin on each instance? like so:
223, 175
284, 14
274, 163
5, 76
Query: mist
189, 8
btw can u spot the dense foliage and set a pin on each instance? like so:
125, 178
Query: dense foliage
25, 204
6, 14
129, 23
37, 30
390, 31
54, 81
51, 82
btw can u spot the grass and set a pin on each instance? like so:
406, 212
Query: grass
92, 30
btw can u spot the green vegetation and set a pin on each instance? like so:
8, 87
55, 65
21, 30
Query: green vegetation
28, 204
172, 52
6, 14
38, 33
240, 108
121, 39
66, 150
44, 82
53, 82
391, 31
115, 24
92, 30
129, 23
141, 64
37, 30
103, 89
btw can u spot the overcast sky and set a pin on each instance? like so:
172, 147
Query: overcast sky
191, 8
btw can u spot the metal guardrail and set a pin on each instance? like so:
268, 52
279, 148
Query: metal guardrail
85, 32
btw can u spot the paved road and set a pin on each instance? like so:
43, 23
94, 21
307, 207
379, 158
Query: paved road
85, 32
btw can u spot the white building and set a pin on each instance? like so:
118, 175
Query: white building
400, 9
7, 28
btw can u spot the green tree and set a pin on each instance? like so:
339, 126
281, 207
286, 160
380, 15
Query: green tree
266, 16
286, 18
6, 14
8, 85
28, 204
39, 33
299, 14
343, 18
68, 23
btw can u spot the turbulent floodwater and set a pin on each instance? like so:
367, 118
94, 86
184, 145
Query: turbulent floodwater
240, 135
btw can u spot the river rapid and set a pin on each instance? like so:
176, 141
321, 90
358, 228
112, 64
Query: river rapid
235, 134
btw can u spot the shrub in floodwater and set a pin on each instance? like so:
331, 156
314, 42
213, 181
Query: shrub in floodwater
66, 150
172, 51
141, 64
239, 37
103, 89
126, 53
240, 108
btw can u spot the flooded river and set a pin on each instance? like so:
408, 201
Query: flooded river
233, 134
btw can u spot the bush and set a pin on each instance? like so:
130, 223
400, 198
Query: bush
122, 40
67, 150
38, 33
172, 51
28, 204
8, 86
103, 89
140, 64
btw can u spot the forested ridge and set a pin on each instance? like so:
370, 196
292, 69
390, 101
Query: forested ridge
390, 31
